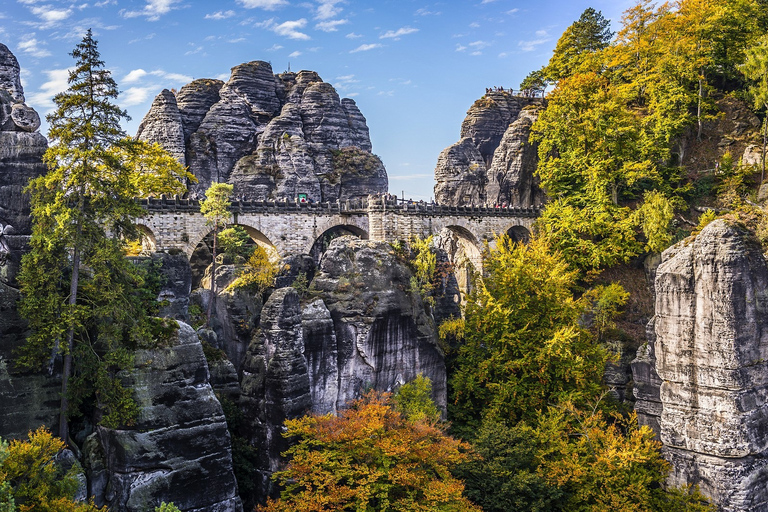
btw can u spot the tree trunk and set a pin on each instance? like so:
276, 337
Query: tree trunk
762, 160
698, 107
212, 298
67, 368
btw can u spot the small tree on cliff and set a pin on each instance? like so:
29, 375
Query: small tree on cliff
78, 290
215, 209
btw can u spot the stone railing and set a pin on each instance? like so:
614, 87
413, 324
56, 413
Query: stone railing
350, 206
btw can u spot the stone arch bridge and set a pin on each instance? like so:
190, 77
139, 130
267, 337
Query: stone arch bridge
174, 224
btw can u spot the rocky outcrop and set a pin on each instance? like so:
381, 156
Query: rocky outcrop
275, 381
712, 358
26, 400
511, 177
175, 285
179, 449
163, 125
384, 337
647, 384
460, 175
494, 161
271, 136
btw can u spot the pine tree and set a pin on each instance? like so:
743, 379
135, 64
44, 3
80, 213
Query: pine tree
589, 34
79, 291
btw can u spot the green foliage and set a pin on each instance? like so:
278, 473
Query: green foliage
414, 401
215, 206
80, 295
235, 241
706, 217
258, 273
523, 346
590, 33
370, 457
301, 284
533, 84
423, 262
504, 477
604, 305
36, 481
655, 217
244, 456
167, 507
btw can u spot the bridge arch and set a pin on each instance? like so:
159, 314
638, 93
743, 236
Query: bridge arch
519, 234
321, 243
147, 239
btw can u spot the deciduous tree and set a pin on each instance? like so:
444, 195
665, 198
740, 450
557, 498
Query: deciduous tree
215, 209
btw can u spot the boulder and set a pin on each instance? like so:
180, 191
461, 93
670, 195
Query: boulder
712, 359
179, 448
10, 74
194, 100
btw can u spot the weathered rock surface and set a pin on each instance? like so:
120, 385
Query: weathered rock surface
175, 286
493, 163
712, 358
647, 384
460, 175
511, 178
275, 381
179, 449
384, 337
26, 400
163, 125
271, 136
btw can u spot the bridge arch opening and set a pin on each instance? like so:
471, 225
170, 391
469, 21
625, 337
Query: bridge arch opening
519, 234
202, 256
323, 241
145, 244
464, 255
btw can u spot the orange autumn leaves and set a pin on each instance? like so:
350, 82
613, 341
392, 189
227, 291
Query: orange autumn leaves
370, 457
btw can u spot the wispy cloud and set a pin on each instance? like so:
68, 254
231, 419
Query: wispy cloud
396, 34
152, 10
33, 47
352, 35
460, 47
49, 16
267, 5
426, 12
137, 75
410, 177
512, 11
330, 25
528, 46
220, 15
56, 83
274, 48
345, 82
294, 54
327, 9
289, 29
135, 96
366, 47
134, 76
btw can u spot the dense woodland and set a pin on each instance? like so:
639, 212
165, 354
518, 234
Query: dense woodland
530, 424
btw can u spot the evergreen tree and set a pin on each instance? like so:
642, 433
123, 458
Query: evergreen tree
79, 291
756, 69
589, 34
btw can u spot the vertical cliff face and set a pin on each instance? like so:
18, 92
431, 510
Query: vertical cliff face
179, 449
712, 358
271, 136
494, 162
26, 401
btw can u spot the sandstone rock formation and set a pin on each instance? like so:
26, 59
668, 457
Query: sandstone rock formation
712, 359
272, 136
26, 400
179, 449
494, 162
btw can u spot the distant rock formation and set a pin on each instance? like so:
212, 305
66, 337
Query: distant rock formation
27, 400
494, 162
179, 450
271, 136
712, 358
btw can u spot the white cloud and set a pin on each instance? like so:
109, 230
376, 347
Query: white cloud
267, 5
366, 47
353, 94
220, 15
57, 82
479, 45
426, 12
330, 25
294, 54
105, 3
474, 24
152, 10
135, 96
529, 46
460, 48
134, 76
327, 9
352, 35
174, 77
223, 77
274, 48
33, 47
49, 16
194, 51
396, 34
487, 1
289, 29
512, 11
346, 78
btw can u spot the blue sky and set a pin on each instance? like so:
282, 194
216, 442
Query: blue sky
413, 66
